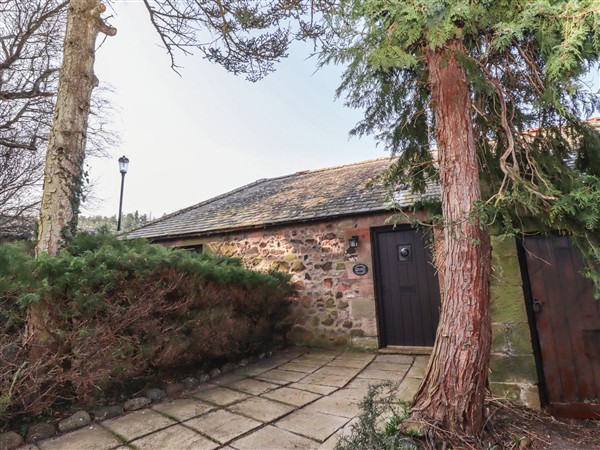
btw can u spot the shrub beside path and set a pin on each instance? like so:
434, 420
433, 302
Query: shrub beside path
297, 399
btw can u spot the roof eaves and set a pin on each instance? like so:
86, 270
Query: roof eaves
218, 231
207, 202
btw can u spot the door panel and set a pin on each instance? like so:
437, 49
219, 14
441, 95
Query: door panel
568, 325
408, 290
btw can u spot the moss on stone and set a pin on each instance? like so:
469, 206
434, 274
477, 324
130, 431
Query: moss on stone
513, 369
499, 344
297, 266
504, 246
506, 390
327, 321
342, 305
507, 271
364, 343
281, 266
227, 249
330, 303
508, 304
291, 257
340, 340
340, 266
513, 338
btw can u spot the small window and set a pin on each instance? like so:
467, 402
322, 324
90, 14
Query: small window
198, 248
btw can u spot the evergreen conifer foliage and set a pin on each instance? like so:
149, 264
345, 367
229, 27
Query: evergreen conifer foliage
496, 87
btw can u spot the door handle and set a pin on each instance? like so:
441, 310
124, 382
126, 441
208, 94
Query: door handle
537, 305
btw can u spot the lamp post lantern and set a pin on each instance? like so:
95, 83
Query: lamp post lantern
123, 165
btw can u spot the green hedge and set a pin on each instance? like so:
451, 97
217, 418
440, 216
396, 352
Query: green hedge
114, 311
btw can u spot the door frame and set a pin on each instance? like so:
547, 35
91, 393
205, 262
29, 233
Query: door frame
377, 287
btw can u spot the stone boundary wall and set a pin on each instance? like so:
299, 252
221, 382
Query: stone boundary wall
513, 372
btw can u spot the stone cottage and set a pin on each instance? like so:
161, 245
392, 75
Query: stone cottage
362, 278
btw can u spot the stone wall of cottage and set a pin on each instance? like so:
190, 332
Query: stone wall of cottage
332, 306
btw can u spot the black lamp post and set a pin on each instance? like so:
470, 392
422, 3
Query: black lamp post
123, 165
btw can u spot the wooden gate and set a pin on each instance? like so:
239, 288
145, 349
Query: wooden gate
408, 296
567, 319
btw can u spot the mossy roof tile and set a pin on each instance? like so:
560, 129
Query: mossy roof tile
308, 195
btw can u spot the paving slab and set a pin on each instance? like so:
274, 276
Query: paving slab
356, 394
221, 396
260, 367
347, 372
382, 375
175, 437
254, 387
313, 360
228, 378
315, 388
183, 409
297, 399
336, 406
138, 423
326, 380
222, 425
366, 357
295, 366
291, 396
281, 376
395, 359
419, 366
273, 438
390, 367
314, 425
261, 409
89, 438
361, 383
345, 431
408, 388
354, 363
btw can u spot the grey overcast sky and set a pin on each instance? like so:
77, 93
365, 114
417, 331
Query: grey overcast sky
198, 135
201, 134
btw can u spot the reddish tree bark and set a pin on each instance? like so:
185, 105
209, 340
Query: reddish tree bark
452, 393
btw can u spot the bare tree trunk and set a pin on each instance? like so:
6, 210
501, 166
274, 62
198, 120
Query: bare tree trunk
66, 148
453, 390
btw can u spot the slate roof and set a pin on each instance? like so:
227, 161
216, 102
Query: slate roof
303, 196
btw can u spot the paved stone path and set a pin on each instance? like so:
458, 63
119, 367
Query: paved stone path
297, 399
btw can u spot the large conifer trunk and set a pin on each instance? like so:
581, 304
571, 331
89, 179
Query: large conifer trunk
453, 390
66, 147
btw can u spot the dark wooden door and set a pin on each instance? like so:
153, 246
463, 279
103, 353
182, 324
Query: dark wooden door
568, 325
408, 290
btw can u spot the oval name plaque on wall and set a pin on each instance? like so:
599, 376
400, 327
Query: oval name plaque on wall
360, 269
